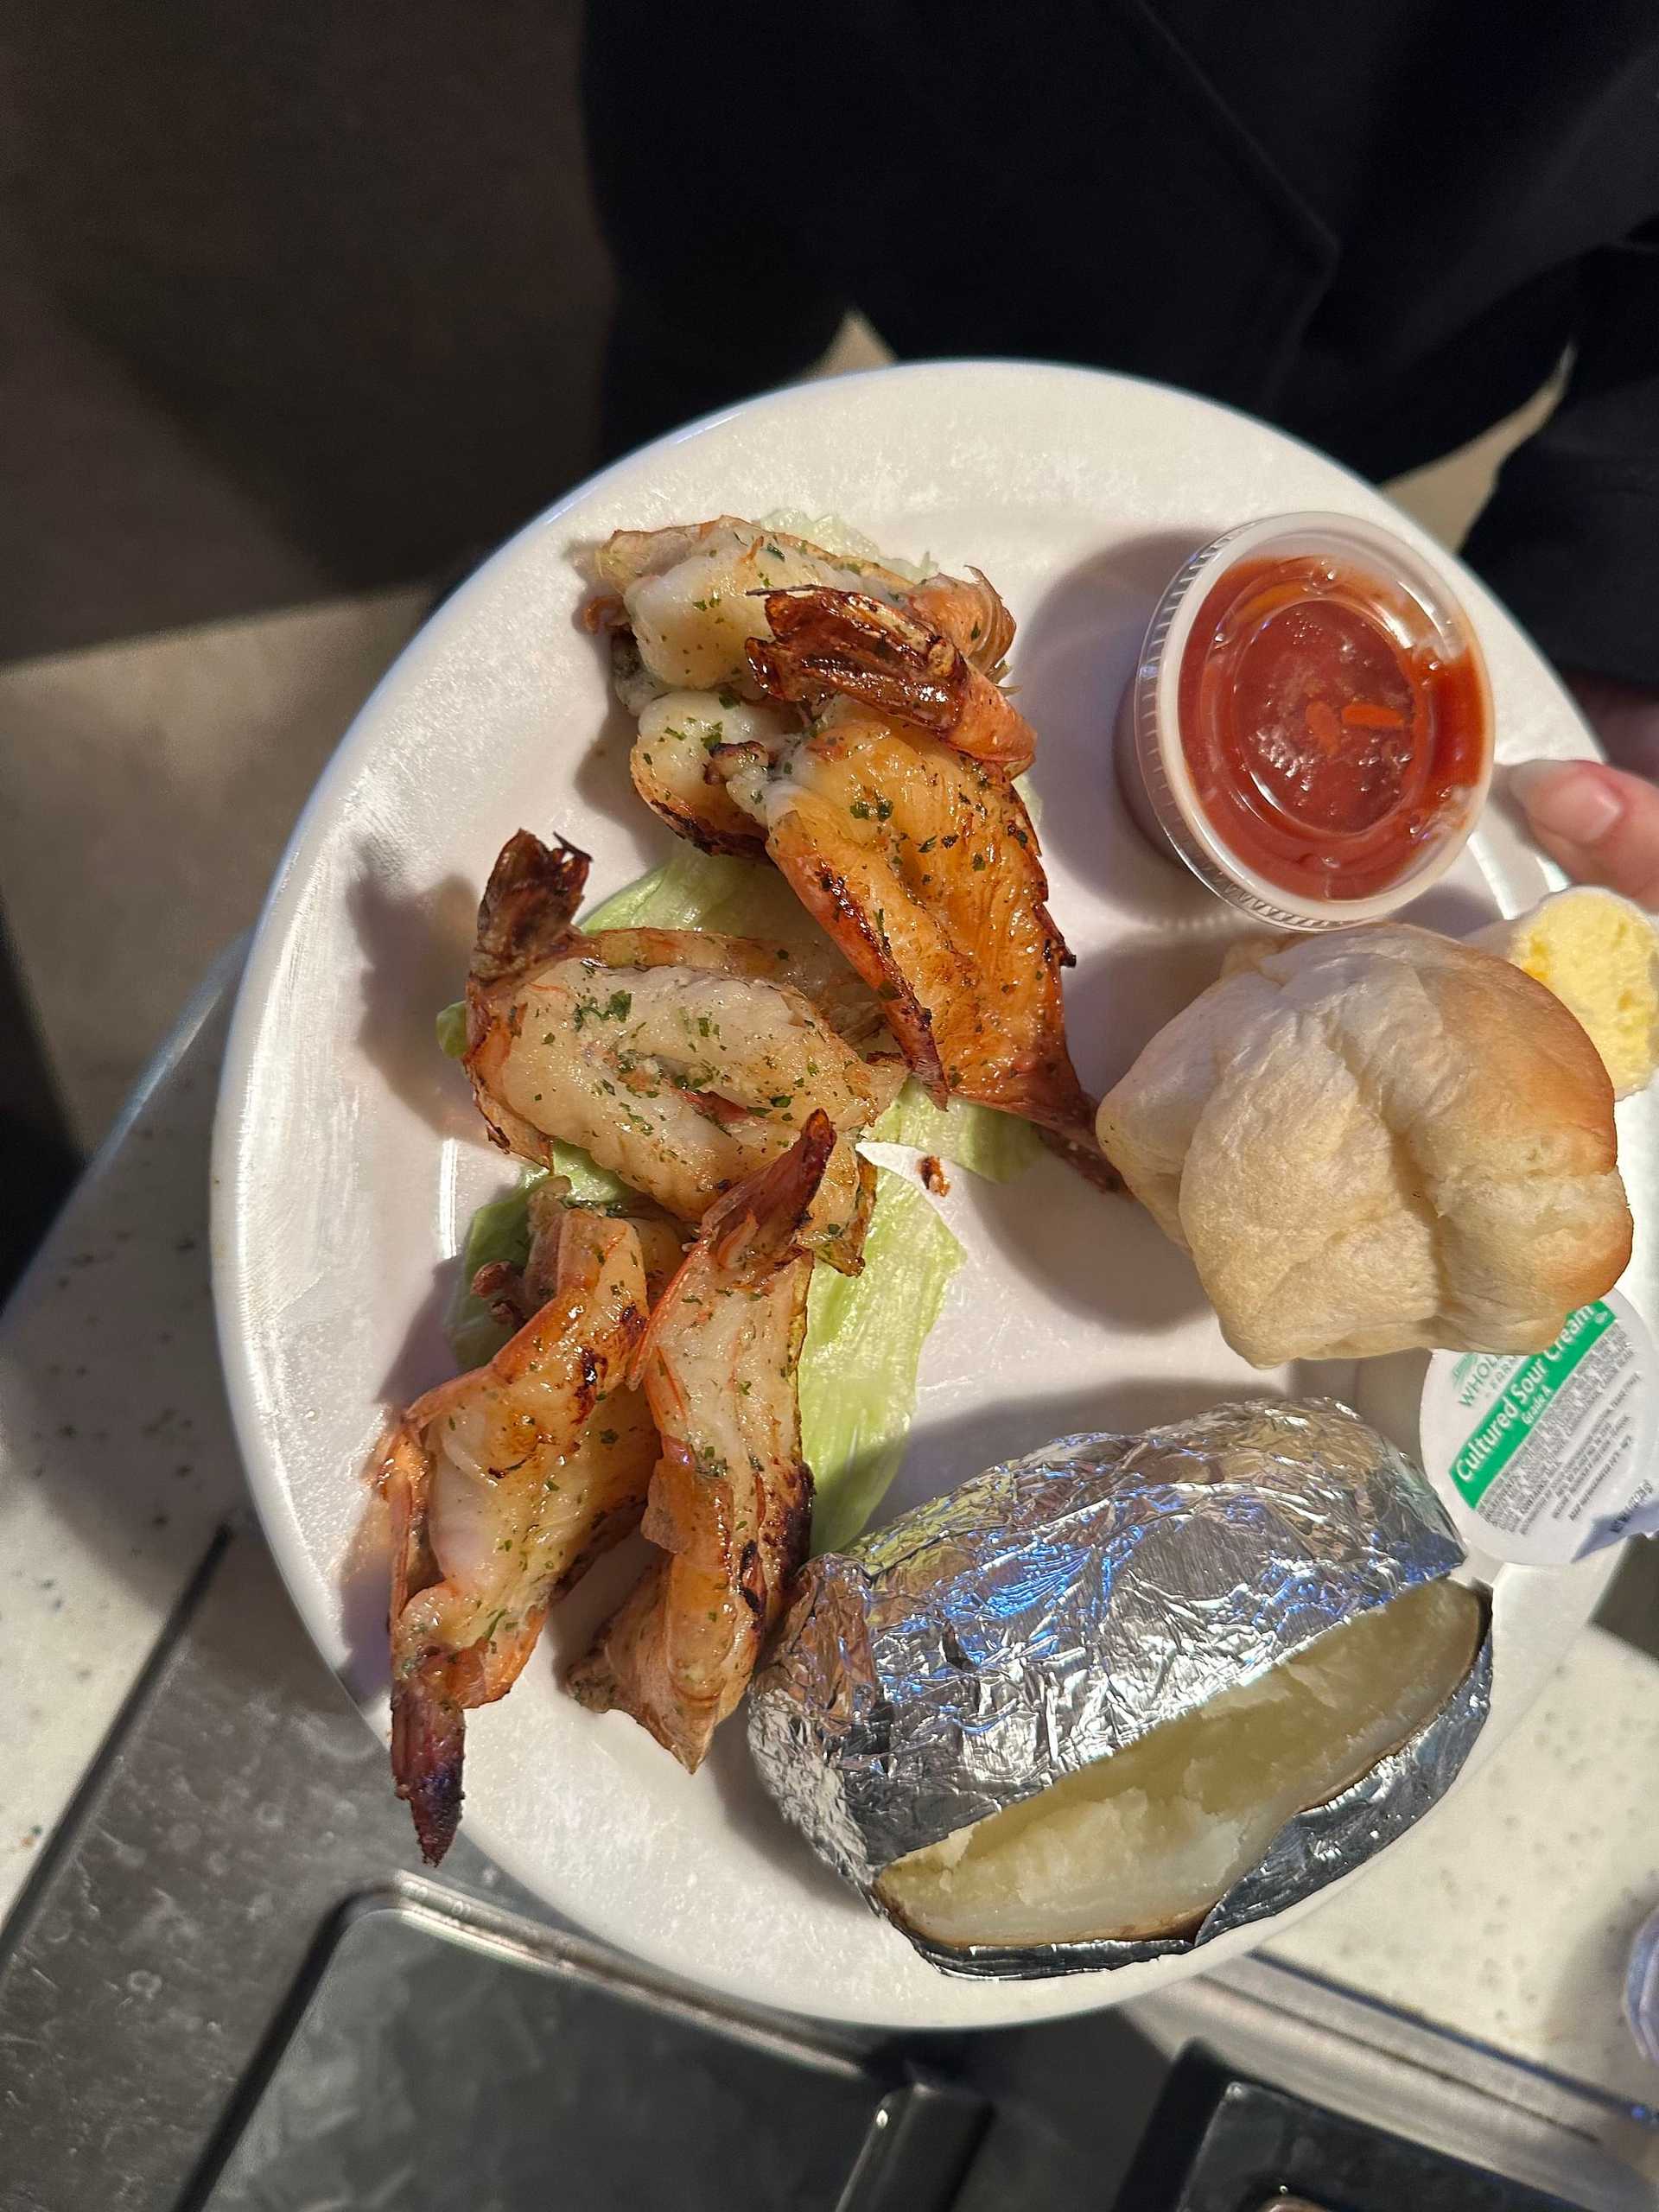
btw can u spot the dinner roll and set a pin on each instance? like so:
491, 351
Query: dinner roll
1374, 1139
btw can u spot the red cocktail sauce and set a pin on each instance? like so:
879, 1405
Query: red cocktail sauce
1328, 734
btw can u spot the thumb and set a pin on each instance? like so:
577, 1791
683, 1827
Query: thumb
1598, 824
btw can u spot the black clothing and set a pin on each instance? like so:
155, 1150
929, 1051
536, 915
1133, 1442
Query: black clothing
1380, 226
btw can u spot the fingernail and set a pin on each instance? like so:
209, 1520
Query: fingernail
1567, 798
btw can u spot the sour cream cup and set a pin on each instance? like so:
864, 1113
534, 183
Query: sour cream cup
1546, 1457
1309, 725
1540, 1458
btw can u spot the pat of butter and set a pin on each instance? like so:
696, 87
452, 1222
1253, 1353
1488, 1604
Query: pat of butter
1600, 955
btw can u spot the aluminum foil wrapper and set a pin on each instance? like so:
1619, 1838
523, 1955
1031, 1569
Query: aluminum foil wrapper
1055, 1609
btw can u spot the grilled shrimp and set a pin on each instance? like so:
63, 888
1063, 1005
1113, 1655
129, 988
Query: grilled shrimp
693, 594
676, 1056
693, 597
731, 1498
503, 1488
922, 865
969, 611
830, 643
515, 1295
678, 734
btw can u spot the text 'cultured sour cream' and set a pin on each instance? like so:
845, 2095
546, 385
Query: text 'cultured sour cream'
1549, 1457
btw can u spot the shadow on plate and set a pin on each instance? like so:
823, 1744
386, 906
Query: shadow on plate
601, 780
747, 1810
944, 1454
422, 1362
415, 946
1074, 654
1452, 908
1095, 1252
423, 1359
1117, 1001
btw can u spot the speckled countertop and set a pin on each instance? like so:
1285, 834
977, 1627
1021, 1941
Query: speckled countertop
1508, 1920
117, 1461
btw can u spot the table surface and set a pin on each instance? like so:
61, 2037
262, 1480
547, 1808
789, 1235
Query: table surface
1508, 1923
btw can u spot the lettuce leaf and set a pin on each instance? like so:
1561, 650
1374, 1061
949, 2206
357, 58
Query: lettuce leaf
864, 1339
451, 1025
999, 1146
498, 1231
696, 890
590, 1183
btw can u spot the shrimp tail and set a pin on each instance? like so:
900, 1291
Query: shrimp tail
761, 1220
829, 643
529, 908
1079, 1148
971, 614
751, 1231
428, 1724
824, 640
429, 1729
525, 918
604, 612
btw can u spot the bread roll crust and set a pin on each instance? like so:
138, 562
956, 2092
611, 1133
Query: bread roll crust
1375, 1140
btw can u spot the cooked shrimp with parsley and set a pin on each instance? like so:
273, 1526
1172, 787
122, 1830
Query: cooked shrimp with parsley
862, 739
731, 1498
834, 728
921, 865
678, 1060
685, 603
503, 1486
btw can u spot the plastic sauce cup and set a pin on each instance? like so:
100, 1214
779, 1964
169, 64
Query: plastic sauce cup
1309, 727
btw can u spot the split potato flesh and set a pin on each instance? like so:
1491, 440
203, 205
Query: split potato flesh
1144, 1842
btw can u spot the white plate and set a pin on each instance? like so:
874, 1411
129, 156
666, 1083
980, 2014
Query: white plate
348, 1156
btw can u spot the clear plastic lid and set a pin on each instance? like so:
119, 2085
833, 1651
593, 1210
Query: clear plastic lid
1349, 571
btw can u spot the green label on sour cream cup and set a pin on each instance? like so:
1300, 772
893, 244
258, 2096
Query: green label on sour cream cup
1550, 1456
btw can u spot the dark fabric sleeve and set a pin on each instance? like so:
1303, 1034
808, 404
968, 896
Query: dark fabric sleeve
719, 292
1570, 537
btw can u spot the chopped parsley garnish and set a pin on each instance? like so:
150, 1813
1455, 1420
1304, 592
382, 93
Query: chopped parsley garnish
617, 1007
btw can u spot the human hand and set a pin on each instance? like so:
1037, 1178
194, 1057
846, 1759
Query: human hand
1601, 824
